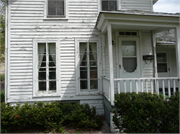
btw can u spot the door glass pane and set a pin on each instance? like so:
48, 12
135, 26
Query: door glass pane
129, 48
52, 85
94, 84
41, 48
161, 57
130, 64
42, 86
92, 47
162, 67
83, 84
83, 73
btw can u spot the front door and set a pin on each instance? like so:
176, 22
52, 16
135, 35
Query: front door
129, 56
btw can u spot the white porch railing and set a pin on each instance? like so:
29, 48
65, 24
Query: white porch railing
168, 85
106, 87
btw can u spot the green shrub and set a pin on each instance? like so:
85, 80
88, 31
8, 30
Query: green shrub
2, 96
2, 77
146, 113
47, 116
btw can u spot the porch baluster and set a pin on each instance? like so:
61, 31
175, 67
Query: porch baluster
163, 88
124, 85
130, 82
136, 86
157, 87
169, 89
151, 81
142, 86
174, 87
119, 88
146, 85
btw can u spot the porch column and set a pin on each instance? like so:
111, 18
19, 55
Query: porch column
111, 64
177, 32
155, 58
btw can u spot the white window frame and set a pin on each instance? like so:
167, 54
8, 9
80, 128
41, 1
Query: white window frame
100, 5
36, 92
56, 18
77, 60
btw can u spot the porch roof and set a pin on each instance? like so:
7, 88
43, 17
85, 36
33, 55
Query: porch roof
137, 20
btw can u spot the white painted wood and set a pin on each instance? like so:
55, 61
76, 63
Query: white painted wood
157, 87
6, 52
169, 89
109, 30
163, 88
125, 89
130, 82
136, 81
151, 81
174, 86
177, 36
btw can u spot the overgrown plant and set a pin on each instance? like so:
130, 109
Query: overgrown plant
48, 116
146, 113
2, 96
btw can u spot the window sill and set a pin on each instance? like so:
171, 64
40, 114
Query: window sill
46, 95
49, 19
88, 93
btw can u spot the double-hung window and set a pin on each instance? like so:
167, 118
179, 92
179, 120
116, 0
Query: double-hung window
87, 67
56, 8
45, 65
109, 5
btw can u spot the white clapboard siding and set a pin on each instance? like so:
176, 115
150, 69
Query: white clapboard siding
144, 5
27, 23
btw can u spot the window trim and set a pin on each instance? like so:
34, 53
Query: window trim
37, 93
77, 59
63, 17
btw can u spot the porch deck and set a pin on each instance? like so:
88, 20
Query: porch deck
163, 85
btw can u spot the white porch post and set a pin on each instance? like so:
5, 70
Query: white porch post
155, 57
111, 64
177, 32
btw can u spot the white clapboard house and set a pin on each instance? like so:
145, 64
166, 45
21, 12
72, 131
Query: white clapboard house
88, 50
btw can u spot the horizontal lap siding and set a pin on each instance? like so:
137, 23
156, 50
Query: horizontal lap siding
173, 63
27, 23
144, 5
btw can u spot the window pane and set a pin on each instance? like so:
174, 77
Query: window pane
92, 47
161, 57
83, 56
104, 5
83, 72
41, 48
130, 64
94, 84
93, 63
129, 48
162, 67
60, 7
51, 7
52, 73
42, 75
83, 84
93, 56
93, 74
112, 5
52, 85
52, 48
52, 60
42, 86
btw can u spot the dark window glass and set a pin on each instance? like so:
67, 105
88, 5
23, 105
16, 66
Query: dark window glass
55, 7
110, 5
162, 67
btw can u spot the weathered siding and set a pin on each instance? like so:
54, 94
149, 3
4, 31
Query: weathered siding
146, 48
144, 5
27, 23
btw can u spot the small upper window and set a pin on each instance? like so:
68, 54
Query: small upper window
56, 8
109, 5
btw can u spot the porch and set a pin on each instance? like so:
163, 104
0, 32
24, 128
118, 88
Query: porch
130, 60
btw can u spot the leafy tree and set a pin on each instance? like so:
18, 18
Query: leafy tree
2, 28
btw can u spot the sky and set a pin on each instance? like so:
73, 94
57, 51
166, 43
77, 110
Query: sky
168, 6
